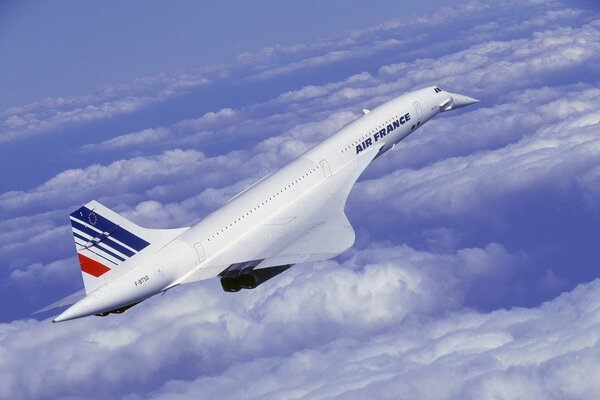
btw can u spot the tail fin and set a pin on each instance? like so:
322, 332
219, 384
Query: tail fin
106, 242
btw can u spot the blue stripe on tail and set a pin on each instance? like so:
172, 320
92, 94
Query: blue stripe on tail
113, 230
106, 240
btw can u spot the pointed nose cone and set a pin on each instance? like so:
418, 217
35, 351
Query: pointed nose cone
459, 100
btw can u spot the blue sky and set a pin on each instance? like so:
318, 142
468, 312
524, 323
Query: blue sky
474, 273
67, 47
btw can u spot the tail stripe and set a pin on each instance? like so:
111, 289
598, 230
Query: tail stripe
87, 244
83, 244
102, 244
95, 251
118, 257
89, 217
82, 230
91, 267
108, 245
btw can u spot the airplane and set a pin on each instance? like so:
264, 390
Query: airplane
294, 215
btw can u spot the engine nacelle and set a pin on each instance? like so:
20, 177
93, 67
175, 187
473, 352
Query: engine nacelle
119, 310
232, 280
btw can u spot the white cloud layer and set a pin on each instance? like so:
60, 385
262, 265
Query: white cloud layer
554, 155
549, 352
52, 114
385, 323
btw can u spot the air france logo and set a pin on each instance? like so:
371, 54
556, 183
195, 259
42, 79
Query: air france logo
383, 132
92, 219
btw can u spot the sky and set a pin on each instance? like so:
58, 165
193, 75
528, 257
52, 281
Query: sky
475, 270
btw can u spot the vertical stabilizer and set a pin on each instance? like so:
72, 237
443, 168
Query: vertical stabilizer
106, 242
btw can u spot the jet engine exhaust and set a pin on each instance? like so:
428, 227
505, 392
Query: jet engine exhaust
230, 281
247, 279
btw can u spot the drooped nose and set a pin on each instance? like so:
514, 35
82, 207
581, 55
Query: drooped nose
461, 100
454, 101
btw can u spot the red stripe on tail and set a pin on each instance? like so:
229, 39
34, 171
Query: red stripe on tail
91, 267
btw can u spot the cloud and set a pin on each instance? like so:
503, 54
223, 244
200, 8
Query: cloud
53, 114
363, 43
94, 180
37, 272
553, 156
533, 353
308, 306
192, 127
385, 322
330, 58
542, 55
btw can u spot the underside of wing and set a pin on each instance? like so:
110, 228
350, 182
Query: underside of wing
322, 241
312, 229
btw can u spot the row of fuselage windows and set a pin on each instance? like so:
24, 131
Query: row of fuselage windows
371, 133
263, 203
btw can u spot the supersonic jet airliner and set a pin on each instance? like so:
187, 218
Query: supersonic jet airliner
291, 216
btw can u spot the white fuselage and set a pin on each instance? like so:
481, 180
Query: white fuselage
232, 228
